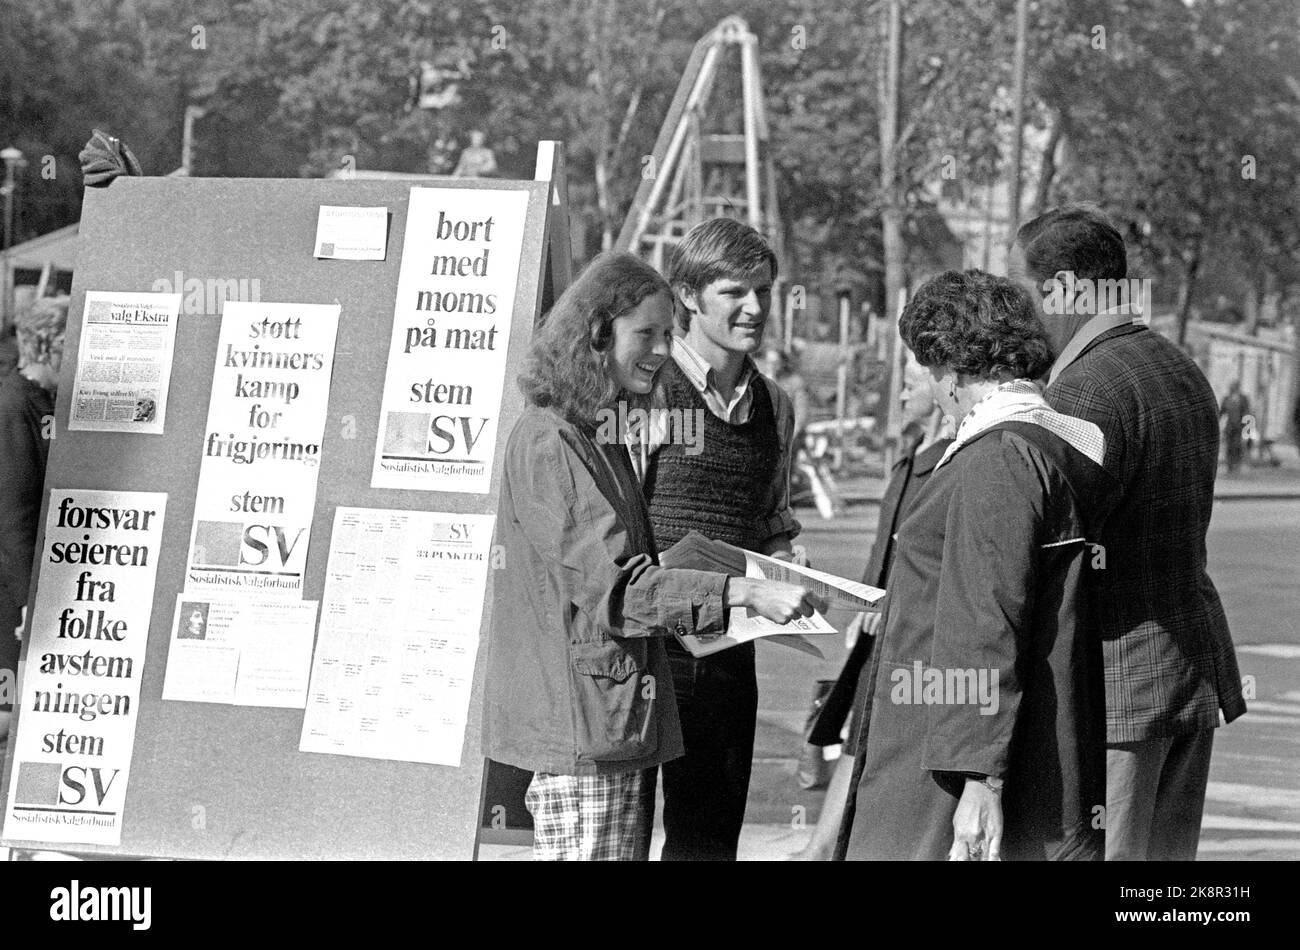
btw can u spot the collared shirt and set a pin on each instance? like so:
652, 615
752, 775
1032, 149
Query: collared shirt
1102, 322
735, 410
704, 378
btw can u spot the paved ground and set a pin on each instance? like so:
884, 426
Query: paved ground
1253, 808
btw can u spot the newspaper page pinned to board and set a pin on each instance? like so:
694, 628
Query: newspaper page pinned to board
247, 652
124, 362
399, 629
81, 686
261, 449
451, 325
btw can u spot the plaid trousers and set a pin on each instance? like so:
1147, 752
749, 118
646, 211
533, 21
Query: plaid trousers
587, 817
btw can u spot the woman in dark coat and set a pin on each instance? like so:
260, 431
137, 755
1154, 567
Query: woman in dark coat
985, 735
926, 434
26, 417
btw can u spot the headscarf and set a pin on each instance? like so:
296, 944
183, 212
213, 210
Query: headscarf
1021, 400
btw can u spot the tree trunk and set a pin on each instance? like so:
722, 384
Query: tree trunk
1186, 287
1018, 131
603, 203
891, 212
1254, 304
891, 215
1047, 168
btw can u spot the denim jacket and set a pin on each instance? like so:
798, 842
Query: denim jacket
577, 679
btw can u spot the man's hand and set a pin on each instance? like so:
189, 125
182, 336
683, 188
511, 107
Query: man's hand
977, 824
775, 600
867, 622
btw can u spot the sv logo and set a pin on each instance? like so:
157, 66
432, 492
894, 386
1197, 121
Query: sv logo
74, 780
442, 429
258, 541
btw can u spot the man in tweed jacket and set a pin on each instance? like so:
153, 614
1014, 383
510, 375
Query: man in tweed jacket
1170, 667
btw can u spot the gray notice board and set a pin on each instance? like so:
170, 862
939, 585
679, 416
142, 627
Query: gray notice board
217, 781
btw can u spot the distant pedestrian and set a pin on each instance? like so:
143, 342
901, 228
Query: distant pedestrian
778, 366
1235, 409
477, 160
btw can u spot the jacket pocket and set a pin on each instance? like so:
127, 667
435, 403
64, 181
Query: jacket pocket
614, 710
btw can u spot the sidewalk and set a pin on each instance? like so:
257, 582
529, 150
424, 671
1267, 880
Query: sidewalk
1253, 482
757, 843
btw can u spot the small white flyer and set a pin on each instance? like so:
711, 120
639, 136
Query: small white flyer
351, 234
240, 652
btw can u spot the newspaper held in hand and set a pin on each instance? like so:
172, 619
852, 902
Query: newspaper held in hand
744, 625
836, 591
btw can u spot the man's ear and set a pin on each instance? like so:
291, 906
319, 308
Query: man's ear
1066, 279
687, 298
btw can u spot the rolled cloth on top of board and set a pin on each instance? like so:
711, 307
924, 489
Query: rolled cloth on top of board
104, 158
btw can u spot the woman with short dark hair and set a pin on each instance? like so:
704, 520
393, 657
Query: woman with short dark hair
579, 690
26, 427
985, 735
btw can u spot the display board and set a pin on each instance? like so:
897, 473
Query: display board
216, 778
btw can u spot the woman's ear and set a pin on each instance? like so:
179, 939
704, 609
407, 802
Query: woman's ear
602, 332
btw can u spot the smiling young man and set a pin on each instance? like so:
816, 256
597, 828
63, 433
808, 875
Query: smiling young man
731, 485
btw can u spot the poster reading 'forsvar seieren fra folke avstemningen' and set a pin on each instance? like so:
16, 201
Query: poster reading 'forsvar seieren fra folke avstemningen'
81, 690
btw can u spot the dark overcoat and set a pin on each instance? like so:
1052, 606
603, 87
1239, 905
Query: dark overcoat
988, 594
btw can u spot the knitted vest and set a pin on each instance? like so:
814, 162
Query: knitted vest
721, 491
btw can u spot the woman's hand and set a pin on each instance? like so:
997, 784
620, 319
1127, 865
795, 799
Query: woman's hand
867, 622
797, 555
775, 600
977, 824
